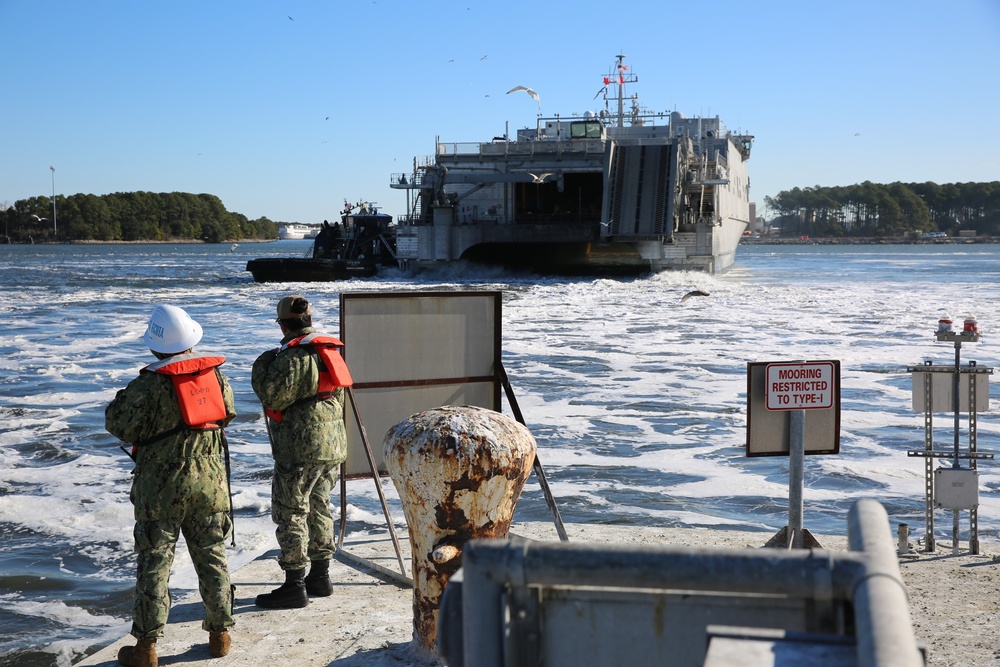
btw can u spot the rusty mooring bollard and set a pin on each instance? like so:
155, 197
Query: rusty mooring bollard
459, 472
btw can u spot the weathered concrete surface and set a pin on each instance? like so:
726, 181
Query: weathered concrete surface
954, 604
459, 472
367, 620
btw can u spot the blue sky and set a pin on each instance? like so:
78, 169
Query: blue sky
286, 108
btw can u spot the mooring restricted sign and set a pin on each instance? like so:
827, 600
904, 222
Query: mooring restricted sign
799, 386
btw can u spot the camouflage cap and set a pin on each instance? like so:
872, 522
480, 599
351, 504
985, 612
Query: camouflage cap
293, 306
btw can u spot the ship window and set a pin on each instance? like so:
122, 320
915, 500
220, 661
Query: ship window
585, 130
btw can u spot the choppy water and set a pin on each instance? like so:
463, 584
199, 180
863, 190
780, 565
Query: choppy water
637, 400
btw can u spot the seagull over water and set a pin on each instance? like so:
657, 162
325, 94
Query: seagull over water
692, 293
530, 92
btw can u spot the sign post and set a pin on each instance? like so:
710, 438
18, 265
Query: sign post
797, 387
796, 474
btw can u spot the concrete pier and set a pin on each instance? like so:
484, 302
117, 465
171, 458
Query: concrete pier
368, 621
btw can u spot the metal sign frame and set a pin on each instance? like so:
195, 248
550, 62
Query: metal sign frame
768, 431
413, 351
799, 386
446, 354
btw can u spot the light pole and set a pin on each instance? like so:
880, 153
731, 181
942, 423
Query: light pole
55, 228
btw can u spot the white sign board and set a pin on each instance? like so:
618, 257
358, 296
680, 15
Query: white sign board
799, 386
414, 351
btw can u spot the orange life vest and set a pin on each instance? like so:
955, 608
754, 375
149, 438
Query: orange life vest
333, 371
199, 392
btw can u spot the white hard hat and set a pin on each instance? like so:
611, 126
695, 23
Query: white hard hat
171, 330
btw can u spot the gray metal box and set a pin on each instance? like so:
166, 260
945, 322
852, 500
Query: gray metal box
956, 488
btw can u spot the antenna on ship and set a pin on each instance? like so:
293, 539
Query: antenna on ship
619, 78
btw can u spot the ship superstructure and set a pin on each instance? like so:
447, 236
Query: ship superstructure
621, 191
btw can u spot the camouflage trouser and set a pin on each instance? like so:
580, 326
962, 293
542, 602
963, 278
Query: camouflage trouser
300, 506
155, 542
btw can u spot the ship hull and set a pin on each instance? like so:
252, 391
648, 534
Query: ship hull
570, 249
292, 269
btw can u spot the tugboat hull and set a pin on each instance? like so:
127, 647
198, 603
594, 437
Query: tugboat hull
292, 269
355, 247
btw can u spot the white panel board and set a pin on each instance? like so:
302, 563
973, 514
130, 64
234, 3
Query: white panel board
943, 388
414, 351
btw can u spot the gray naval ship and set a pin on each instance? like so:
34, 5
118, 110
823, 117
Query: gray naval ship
619, 192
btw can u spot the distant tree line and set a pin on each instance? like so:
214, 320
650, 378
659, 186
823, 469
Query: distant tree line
131, 216
887, 211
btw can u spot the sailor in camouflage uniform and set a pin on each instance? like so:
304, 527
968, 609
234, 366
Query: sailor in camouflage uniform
173, 415
301, 386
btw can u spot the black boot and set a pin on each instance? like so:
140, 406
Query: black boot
290, 595
318, 579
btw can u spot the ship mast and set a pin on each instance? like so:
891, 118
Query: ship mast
619, 78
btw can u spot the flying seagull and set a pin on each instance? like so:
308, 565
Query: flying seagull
530, 92
692, 293
39, 219
538, 178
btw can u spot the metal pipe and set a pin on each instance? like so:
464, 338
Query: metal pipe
956, 395
868, 577
883, 628
796, 473
802, 573
903, 533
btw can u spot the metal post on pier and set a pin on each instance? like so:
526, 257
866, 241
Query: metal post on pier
796, 473
956, 462
954, 487
780, 395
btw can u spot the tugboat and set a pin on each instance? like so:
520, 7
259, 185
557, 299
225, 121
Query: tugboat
620, 191
356, 247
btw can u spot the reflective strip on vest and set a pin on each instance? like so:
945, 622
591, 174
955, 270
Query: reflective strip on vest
198, 390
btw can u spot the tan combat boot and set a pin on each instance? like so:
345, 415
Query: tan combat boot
218, 643
143, 654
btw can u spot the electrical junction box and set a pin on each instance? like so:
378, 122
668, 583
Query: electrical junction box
956, 488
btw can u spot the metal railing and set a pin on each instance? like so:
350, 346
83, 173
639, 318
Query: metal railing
493, 610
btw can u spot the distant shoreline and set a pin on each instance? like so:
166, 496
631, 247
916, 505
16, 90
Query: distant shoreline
151, 242
175, 241
951, 240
